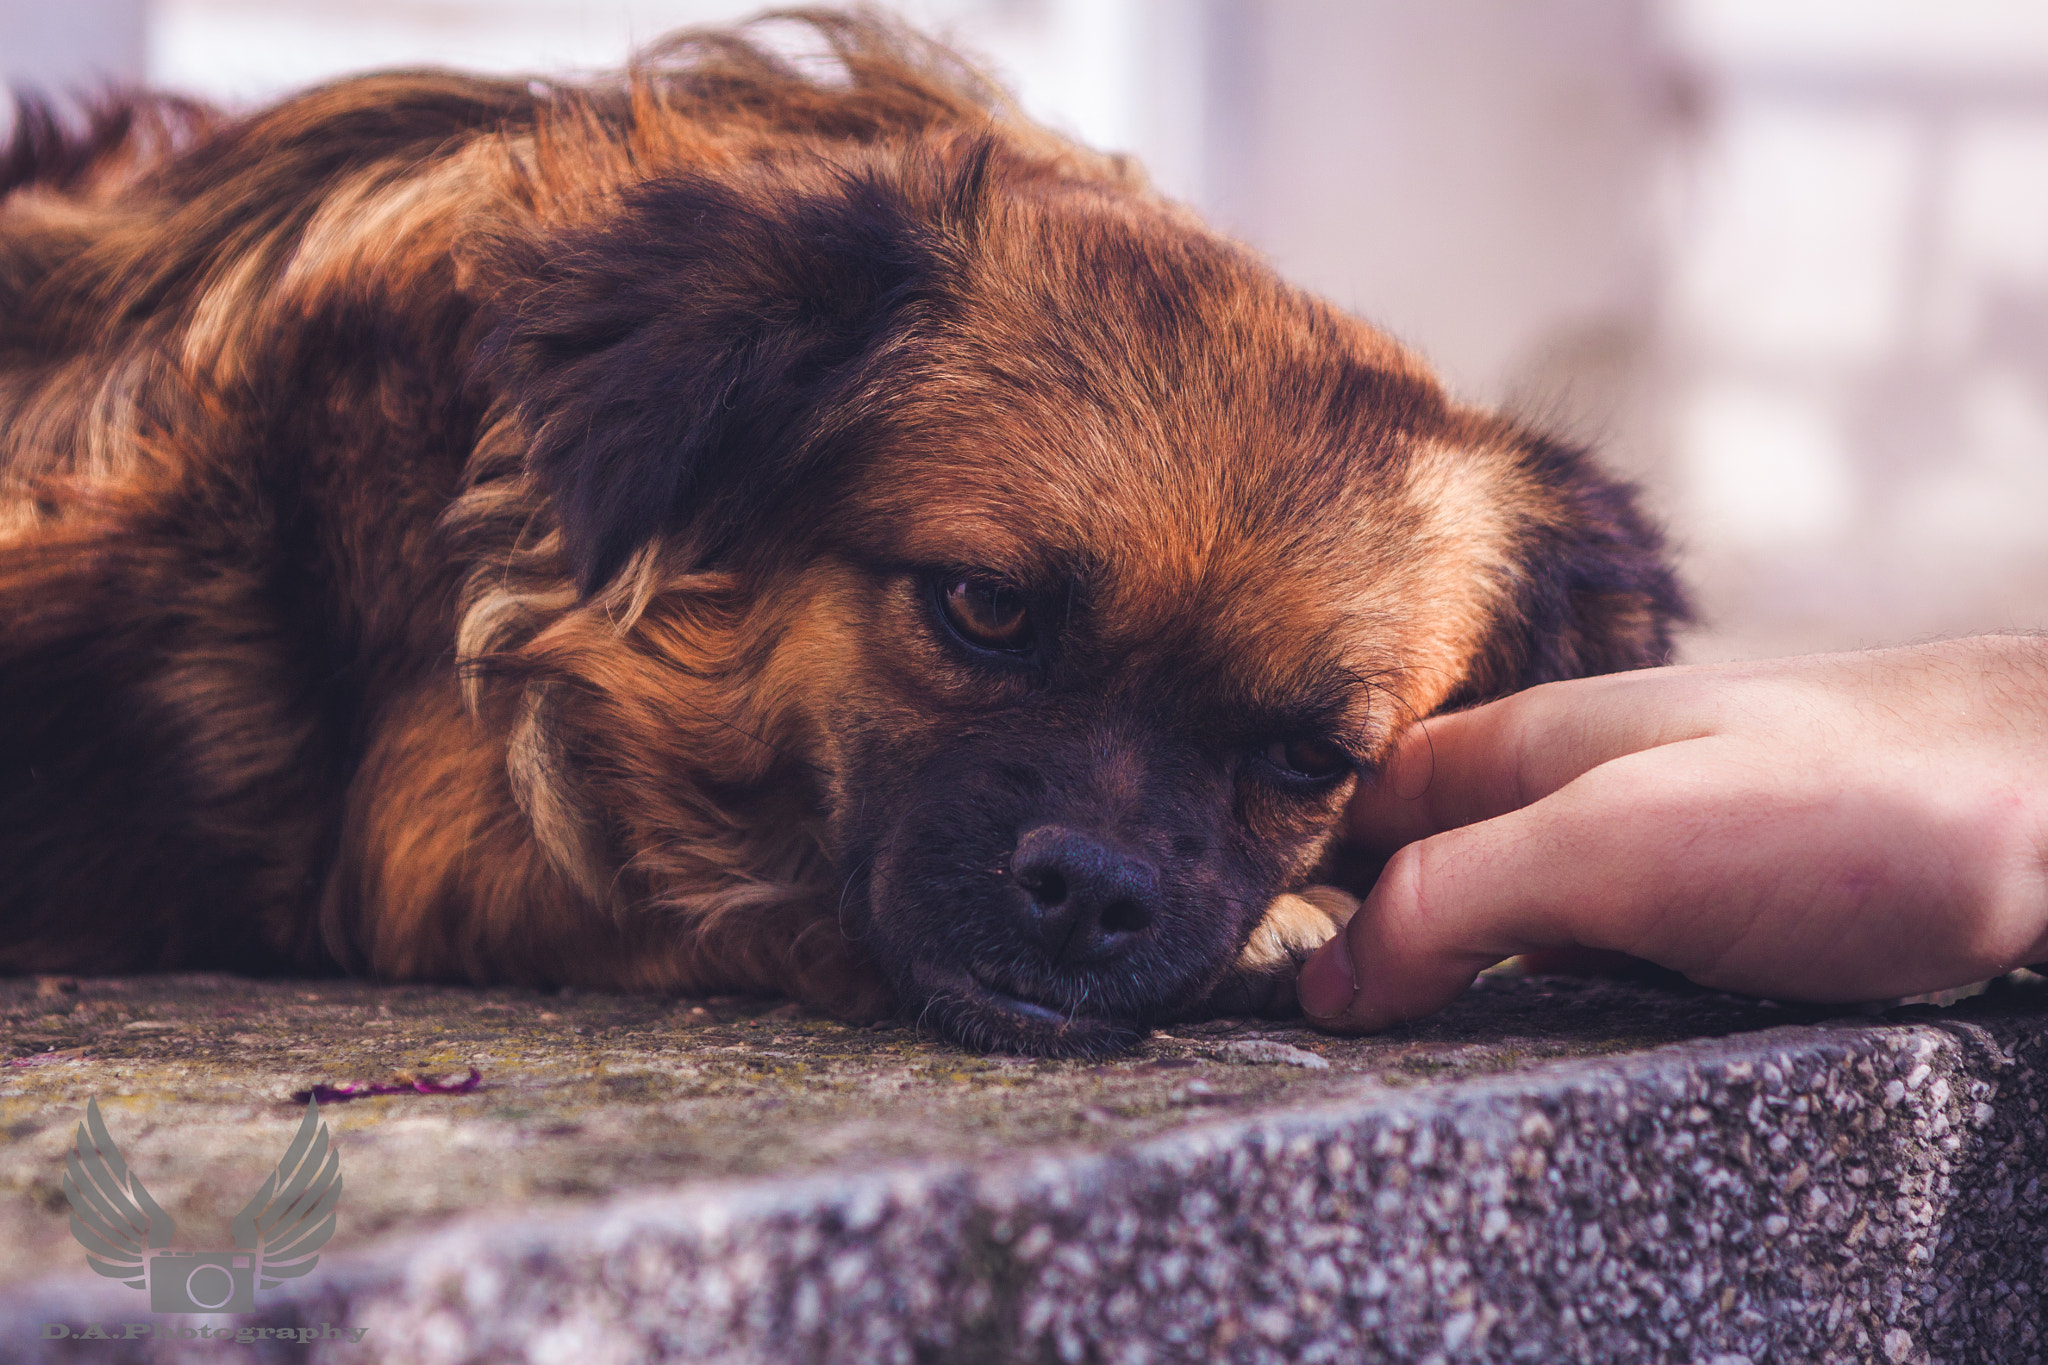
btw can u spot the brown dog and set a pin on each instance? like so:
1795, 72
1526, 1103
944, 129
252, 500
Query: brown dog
726, 529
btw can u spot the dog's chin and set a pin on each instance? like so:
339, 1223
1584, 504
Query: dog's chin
956, 1003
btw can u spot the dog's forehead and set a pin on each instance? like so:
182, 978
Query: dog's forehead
1396, 573
1106, 374
1229, 474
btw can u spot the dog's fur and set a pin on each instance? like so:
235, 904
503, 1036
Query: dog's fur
479, 529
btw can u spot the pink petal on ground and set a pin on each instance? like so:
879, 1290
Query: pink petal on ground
405, 1085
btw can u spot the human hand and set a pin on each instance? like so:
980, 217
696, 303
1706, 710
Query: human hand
1829, 828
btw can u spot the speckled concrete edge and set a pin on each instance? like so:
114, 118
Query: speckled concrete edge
1850, 1192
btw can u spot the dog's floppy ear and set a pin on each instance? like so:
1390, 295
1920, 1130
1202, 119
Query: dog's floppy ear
680, 365
1595, 592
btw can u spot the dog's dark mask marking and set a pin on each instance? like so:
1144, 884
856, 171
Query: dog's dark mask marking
1057, 880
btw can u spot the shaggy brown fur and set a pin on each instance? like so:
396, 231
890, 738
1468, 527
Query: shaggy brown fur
747, 526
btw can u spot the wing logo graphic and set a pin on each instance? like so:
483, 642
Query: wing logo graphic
278, 1233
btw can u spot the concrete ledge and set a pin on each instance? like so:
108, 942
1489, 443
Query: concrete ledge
1846, 1189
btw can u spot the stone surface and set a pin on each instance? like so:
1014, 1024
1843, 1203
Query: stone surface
1552, 1170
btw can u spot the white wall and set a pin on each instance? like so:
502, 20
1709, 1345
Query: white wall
63, 45
1467, 172
1855, 318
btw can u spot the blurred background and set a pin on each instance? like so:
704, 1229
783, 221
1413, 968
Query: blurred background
1784, 261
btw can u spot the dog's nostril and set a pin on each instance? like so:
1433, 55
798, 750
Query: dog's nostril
1046, 886
1125, 917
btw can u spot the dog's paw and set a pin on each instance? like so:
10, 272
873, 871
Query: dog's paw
1261, 981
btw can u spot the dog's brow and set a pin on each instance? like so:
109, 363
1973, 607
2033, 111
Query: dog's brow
1339, 705
1048, 571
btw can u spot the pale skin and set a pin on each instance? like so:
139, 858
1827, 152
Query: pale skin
1831, 828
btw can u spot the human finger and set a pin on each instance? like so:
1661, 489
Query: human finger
1468, 766
1627, 857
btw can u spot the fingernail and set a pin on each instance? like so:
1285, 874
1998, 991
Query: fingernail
1326, 986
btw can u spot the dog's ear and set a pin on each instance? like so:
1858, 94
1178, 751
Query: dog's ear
684, 363
1595, 592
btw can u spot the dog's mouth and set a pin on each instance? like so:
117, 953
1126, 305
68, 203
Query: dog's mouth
1008, 997
980, 1008
1077, 955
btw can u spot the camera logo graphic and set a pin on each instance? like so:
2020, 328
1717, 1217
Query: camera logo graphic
202, 1282
278, 1233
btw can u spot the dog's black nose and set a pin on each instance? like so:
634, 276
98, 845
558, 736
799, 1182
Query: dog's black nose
1088, 898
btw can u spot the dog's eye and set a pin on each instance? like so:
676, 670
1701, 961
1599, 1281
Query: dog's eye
1310, 758
987, 615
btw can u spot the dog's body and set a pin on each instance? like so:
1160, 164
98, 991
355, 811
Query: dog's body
728, 530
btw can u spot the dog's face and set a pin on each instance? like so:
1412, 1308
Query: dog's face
1086, 567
